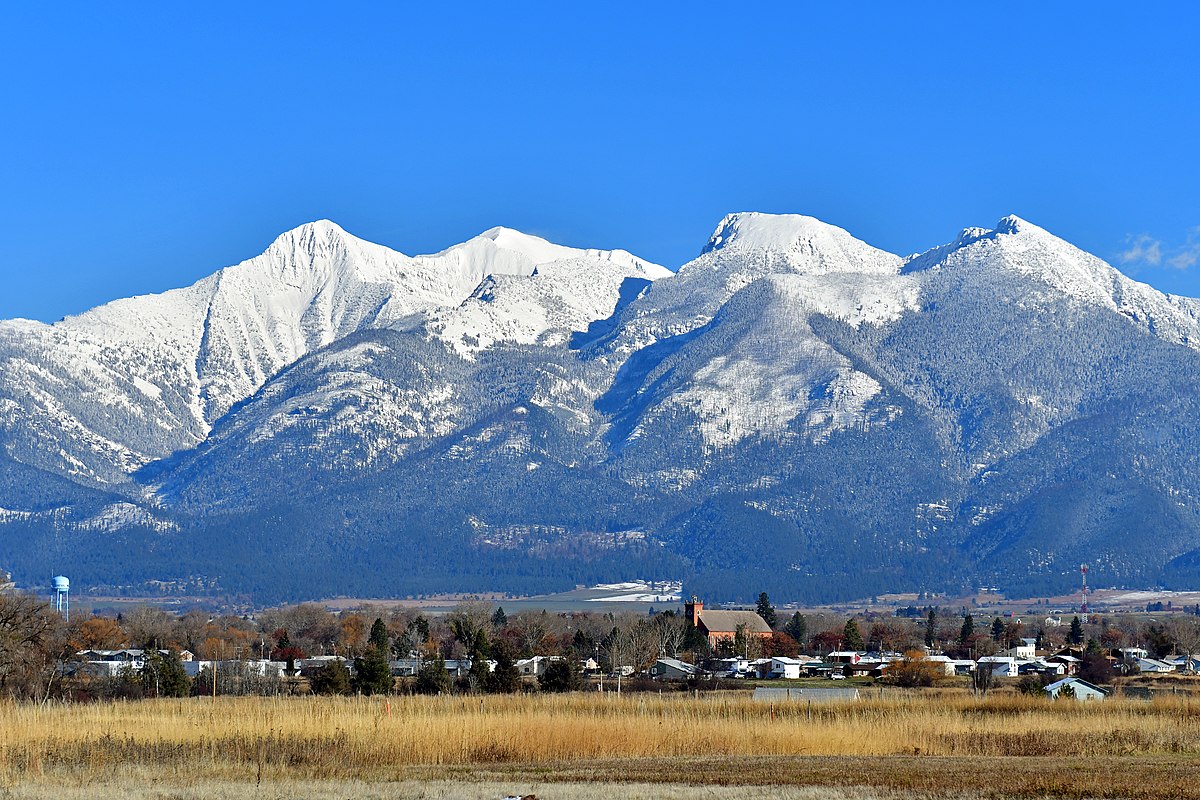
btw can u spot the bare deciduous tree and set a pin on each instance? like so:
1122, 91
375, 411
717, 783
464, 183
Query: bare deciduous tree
670, 630
33, 645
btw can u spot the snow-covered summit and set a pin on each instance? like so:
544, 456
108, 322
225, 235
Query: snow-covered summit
746, 247
1016, 257
794, 242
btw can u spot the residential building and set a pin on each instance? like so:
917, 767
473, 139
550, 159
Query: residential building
1082, 690
785, 667
672, 669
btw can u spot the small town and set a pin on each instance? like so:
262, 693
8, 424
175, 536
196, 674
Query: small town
476, 648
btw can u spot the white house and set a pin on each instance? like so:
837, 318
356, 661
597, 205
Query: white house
536, 665
1025, 651
1082, 690
785, 667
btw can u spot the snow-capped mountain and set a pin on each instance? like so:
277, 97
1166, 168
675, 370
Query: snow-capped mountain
515, 414
100, 395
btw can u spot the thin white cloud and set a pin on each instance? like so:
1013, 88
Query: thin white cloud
1143, 249
1187, 256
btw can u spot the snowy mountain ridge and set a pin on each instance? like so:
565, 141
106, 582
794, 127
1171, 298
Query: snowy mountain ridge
1004, 403
162, 368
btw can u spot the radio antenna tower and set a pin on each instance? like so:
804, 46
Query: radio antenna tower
1083, 591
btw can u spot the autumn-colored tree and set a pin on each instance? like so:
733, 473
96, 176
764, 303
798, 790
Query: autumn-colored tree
100, 633
780, 644
915, 669
353, 637
1112, 637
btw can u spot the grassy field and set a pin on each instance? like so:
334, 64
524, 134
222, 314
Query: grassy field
918, 745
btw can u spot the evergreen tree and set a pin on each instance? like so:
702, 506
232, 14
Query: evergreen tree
372, 672
379, 637
967, 630
499, 618
505, 678
332, 678
560, 676
997, 630
851, 636
766, 610
163, 675
433, 678
931, 627
479, 663
1076, 635
797, 628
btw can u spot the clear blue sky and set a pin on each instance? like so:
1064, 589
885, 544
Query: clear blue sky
145, 147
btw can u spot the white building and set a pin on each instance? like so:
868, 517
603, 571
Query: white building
1082, 690
785, 667
535, 666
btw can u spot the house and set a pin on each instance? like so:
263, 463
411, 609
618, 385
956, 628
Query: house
727, 667
1185, 664
408, 667
308, 666
1000, 666
672, 669
1026, 650
785, 667
1070, 663
871, 664
759, 667
1081, 689
719, 626
110, 663
1153, 665
535, 666
1038, 666
458, 667
1131, 653
944, 663
962, 666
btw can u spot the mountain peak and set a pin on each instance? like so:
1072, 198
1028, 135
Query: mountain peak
755, 230
306, 236
795, 243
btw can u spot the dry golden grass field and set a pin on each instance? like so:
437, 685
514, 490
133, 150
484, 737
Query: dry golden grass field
722, 745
